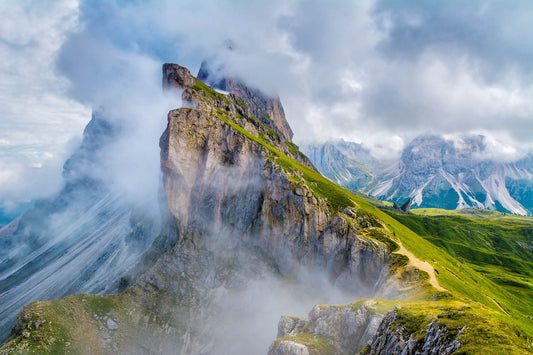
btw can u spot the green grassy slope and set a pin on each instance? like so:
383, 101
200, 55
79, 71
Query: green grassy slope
491, 245
508, 295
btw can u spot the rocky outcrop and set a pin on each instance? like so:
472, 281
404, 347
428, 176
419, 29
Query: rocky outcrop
406, 207
365, 327
345, 329
393, 337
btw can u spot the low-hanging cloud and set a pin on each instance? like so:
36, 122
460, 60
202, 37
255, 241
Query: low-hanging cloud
125, 89
39, 124
375, 72
351, 69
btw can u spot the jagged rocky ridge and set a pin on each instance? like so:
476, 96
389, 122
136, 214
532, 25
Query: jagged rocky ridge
433, 172
393, 338
237, 208
245, 215
264, 108
363, 328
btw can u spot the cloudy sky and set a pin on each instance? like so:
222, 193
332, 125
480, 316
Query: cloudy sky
375, 72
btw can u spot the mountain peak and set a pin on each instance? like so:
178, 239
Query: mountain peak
177, 77
266, 108
251, 107
433, 171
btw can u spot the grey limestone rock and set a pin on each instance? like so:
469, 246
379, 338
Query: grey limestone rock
287, 347
390, 338
111, 324
348, 328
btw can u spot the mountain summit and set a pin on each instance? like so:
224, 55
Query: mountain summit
267, 109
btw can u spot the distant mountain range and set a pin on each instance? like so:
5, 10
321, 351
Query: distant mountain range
433, 172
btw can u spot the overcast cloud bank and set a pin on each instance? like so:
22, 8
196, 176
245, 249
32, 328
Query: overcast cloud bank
375, 72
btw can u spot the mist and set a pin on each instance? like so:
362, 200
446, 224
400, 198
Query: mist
248, 320
103, 208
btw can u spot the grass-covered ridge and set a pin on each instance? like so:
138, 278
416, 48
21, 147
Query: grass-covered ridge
466, 281
478, 329
506, 242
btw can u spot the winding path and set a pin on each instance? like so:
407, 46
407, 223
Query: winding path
422, 265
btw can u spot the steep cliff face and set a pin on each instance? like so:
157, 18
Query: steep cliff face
238, 212
241, 203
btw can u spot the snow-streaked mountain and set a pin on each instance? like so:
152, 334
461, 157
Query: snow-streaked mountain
348, 164
433, 172
85, 239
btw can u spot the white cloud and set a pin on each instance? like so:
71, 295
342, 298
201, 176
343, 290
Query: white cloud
37, 119
376, 72
350, 69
